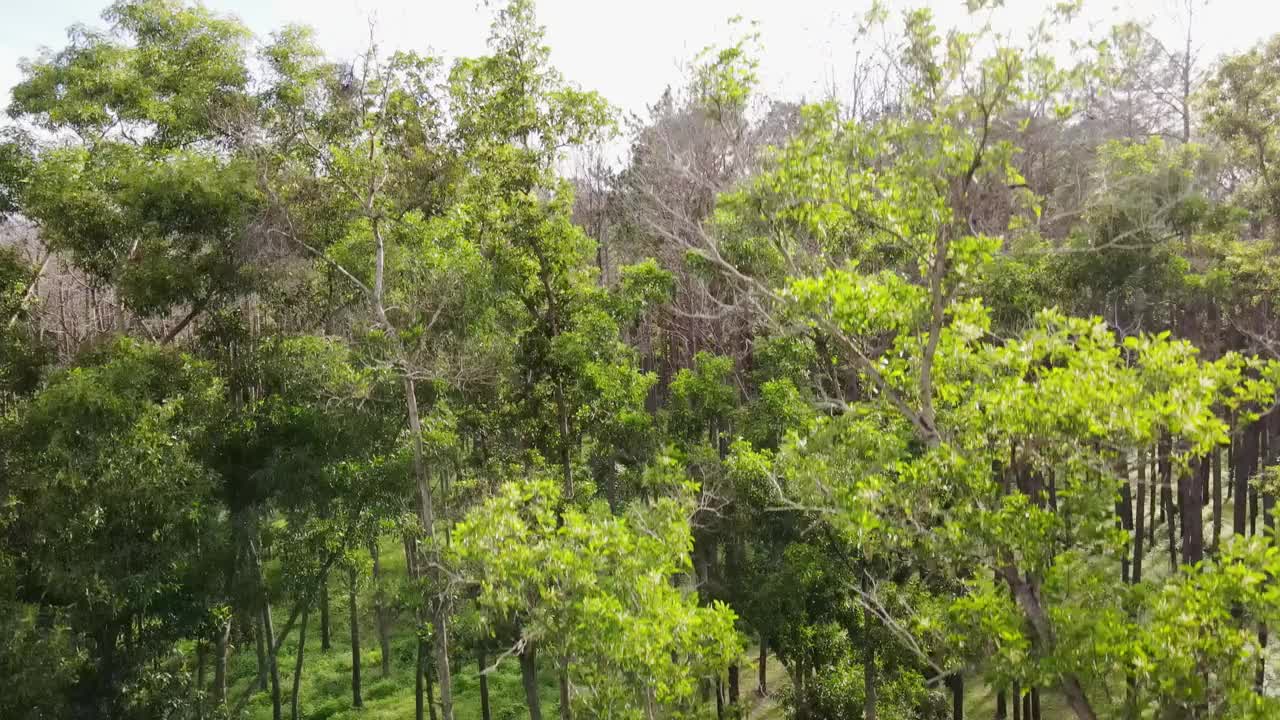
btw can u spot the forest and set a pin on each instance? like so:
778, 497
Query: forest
381, 387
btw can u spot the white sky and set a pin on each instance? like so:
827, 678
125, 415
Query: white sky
630, 50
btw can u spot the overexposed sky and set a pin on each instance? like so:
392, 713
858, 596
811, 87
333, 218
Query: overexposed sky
628, 50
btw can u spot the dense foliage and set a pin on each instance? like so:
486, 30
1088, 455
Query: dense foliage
958, 391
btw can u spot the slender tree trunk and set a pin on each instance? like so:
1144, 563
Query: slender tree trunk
1139, 534
419, 674
1269, 519
1192, 518
297, 665
268, 632
1231, 459
427, 518
484, 685
733, 683
1124, 514
1154, 473
762, 672
1002, 707
1026, 706
719, 698
1260, 679
1253, 511
1027, 595
956, 682
324, 613
1017, 703
357, 699
431, 693
566, 708
1245, 453
1166, 499
529, 677
380, 610
273, 664
869, 678
221, 643
1035, 703
260, 643
1217, 500
202, 650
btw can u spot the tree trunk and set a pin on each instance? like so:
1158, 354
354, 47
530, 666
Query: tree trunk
1216, 467
1124, 515
1002, 707
419, 660
431, 693
1166, 500
1246, 453
529, 677
1017, 703
1253, 511
427, 518
380, 611
1191, 506
221, 647
869, 678
1154, 474
356, 699
1027, 596
273, 664
719, 698
1139, 534
956, 682
201, 653
1026, 706
733, 683
297, 665
263, 680
762, 680
484, 685
324, 613
1035, 703
566, 709
1260, 680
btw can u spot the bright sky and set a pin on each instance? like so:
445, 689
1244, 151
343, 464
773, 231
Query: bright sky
630, 50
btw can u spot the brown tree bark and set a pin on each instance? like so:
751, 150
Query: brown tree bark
1153, 472
529, 678
273, 664
324, 614
1139, 534
1166, 499
1124, 514
956, 683
762, 672
484, 684
1216, 468
380, 611
1246, 453
566, 707
868, 658
1027, 595
1190, 484
297, 665
357, 699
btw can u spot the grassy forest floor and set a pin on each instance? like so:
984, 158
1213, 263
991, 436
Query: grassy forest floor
326, 685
